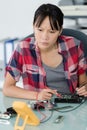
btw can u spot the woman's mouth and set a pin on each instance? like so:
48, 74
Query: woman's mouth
44, 43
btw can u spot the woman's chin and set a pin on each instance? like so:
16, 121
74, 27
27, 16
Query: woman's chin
44, 48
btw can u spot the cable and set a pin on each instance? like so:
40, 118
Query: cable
51, 113
42, 105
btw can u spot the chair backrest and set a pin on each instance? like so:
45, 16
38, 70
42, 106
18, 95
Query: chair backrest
74, 33
78, 35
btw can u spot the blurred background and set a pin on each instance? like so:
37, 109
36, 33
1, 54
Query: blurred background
16, 16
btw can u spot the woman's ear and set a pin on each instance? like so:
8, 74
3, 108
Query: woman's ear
60, 30
34, 30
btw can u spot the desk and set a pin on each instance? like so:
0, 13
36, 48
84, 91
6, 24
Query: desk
74, 120
75, 11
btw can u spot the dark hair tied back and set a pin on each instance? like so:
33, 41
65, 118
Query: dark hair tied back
53, 12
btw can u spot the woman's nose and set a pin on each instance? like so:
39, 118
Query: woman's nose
45, 36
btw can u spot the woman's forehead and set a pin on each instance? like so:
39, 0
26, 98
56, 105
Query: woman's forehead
46, 20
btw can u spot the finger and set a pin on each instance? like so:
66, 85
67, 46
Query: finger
81, 89
47, 95
83, 93
46, 98
50, 91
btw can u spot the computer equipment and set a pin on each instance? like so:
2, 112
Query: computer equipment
69, 98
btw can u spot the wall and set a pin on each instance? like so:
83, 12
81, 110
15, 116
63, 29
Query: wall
16, 16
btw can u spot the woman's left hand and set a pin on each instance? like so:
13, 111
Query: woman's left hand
82, 91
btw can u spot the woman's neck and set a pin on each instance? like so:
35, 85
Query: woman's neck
49, 50
51, 58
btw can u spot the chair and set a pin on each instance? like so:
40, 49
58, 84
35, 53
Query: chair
78, 35
74, 33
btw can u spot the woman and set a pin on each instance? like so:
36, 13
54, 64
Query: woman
47, 62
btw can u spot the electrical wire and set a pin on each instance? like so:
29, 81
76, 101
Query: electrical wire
42, 104
51, 113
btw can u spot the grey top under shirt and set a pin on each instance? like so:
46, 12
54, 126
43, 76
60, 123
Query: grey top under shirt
55, 78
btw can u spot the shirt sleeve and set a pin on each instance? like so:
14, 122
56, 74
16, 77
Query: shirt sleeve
14, 66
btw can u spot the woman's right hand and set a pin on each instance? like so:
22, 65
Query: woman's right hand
46, 94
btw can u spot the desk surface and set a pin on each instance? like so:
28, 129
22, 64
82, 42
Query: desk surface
74, 11
76, 119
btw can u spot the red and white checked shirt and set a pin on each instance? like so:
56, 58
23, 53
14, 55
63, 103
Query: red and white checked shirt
26, 62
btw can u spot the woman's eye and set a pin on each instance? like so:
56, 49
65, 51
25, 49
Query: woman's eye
52, 31
39, 29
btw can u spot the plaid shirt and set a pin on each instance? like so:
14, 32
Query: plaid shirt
26, 62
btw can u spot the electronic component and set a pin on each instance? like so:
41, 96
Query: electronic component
26, 113
10, 112
39, 105
69, 98
59, 119
4, 116
4, 122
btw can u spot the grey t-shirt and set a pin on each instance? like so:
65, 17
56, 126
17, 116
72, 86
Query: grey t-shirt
55, 78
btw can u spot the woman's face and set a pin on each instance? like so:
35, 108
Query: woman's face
45, 37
